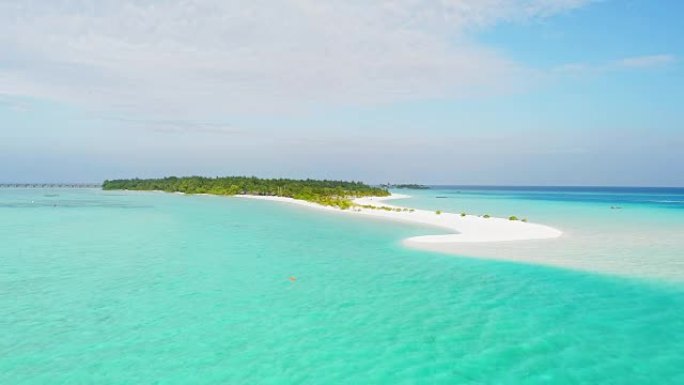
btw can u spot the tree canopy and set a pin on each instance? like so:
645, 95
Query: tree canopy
325, 192
409, 186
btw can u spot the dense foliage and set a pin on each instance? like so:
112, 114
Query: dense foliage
325, 192
408, 186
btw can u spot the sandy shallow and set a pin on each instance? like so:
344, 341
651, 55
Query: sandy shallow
465, 229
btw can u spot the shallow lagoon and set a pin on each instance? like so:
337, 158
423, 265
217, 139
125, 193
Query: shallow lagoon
130, 288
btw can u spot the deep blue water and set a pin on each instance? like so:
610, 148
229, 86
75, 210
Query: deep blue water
666, 197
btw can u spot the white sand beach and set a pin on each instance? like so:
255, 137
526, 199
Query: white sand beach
466, 229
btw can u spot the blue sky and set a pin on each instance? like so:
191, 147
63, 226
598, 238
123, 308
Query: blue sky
522, 92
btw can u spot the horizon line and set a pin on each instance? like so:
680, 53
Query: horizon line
93, 184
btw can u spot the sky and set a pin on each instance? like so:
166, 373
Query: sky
495, 92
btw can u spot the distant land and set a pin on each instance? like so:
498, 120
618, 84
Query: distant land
407, 186
325, 192
49, 185
353, 197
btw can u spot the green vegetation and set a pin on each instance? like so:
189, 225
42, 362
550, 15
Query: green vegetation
324, 192
524, 219
512, 218
408, 186
463, 214
485, 216
385, 208
438, 212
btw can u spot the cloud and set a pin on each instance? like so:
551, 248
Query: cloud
635, 62
214, 56
647, 61
171, 126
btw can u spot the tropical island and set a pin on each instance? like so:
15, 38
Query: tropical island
350, 197
324, 192
409, 186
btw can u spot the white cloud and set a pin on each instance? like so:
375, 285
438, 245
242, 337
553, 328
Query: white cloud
214, 56
635, 62
647, 61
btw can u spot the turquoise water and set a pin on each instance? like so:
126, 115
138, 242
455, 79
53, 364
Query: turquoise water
628, 231
141, 288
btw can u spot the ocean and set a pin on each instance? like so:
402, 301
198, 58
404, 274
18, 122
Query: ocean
108, 287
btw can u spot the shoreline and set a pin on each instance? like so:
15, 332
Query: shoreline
464, 229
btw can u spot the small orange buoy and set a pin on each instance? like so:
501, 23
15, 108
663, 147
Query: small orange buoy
292, 278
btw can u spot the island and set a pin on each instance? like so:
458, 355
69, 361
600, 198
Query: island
355, 198
324, 192
409, 186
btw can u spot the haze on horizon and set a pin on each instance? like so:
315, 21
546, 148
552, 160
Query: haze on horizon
504, 92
